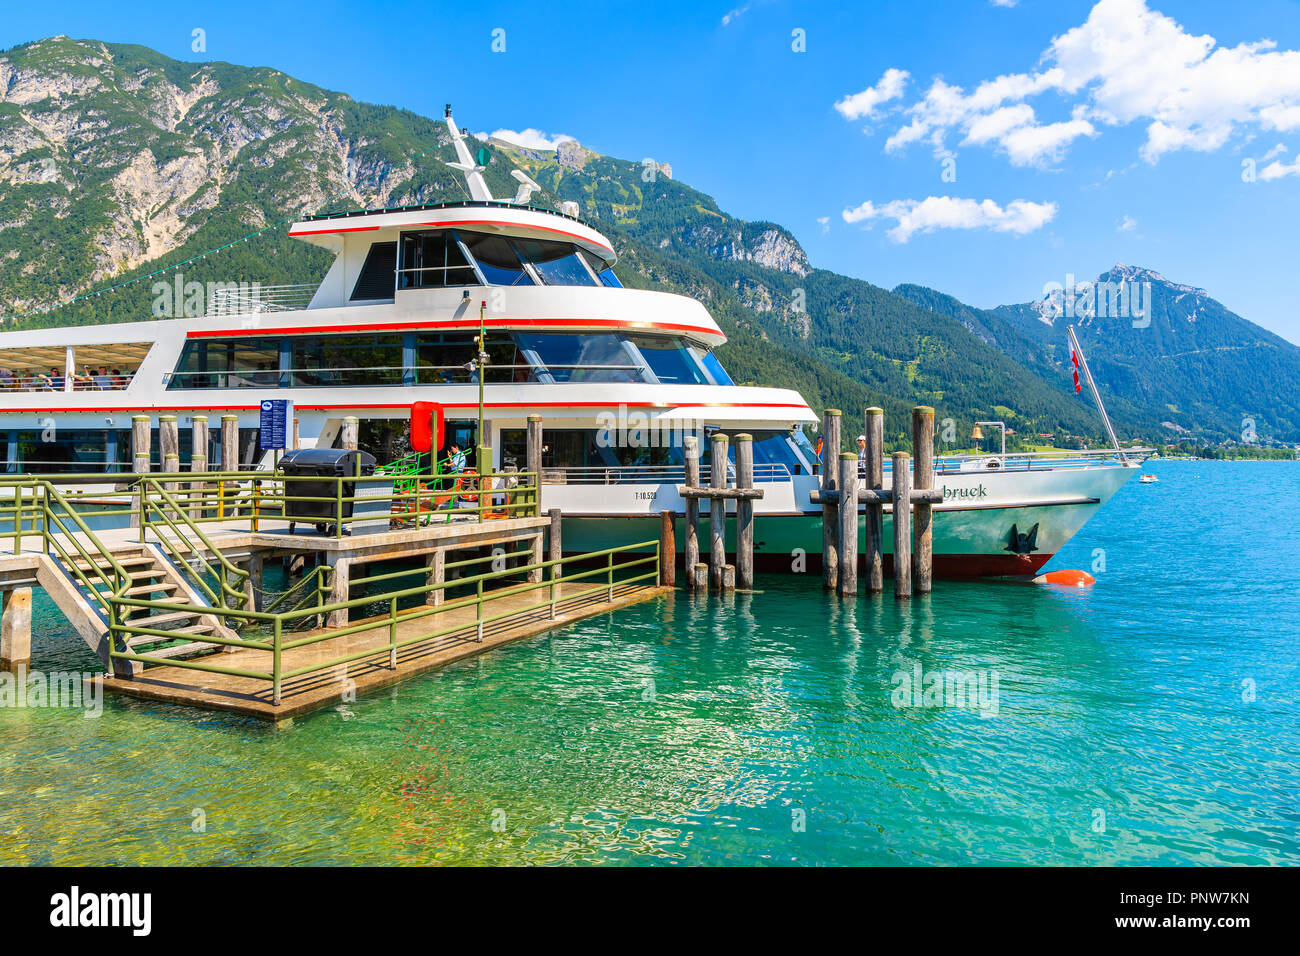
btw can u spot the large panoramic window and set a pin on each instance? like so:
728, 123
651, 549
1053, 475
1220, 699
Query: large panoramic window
603, 272
496, 258
345, 360
583, 358
445, 359
671, 362
228, 363
714, 368
558, 263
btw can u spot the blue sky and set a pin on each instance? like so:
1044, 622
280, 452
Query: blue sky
1117, 133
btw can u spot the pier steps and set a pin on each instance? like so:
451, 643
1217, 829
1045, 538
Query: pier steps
153, 578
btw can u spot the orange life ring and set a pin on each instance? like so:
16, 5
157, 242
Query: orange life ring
464, 484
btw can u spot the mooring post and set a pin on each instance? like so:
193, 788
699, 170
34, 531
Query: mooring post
295, 432
902, 524
435, 573
141, 440
171, 466
350, 431
253, 583
847, 539
229, 462
555, 545
198, 462
875, 517
923, 479
830, 482
667, 549
691, 457
169, 439
745, 513
16, 629
534, 462
717, 509
700, 578
339, 589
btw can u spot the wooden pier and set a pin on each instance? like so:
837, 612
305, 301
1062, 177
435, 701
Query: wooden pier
171, 597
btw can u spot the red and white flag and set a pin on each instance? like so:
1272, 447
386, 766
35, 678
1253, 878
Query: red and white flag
1075, 359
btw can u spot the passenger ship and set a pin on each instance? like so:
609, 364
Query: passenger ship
618, 374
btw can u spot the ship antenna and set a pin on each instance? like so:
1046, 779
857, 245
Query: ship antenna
478, 190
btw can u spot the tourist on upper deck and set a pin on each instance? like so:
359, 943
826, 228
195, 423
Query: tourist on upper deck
52, 382
120, 380
103, 380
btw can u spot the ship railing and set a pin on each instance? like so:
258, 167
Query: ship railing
651, 474
1037, 461
246, 299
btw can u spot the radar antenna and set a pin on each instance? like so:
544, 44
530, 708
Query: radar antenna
478, 190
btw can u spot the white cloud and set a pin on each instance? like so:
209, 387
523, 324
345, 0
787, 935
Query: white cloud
1127, 224
825, 223
1125, 64
1276, 151
947, 212
864, 104
1004, 3
731, 15
1278, 170
531, 138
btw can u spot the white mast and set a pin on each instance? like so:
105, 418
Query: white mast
478, 190
1087, 372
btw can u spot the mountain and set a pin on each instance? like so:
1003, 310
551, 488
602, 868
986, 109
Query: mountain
1170, 360
118, 164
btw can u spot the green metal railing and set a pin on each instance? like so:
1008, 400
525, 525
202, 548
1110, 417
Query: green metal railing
177, 506
279, 622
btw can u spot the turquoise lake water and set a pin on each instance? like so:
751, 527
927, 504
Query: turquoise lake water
1149, 720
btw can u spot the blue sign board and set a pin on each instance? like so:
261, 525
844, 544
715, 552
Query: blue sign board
274, 428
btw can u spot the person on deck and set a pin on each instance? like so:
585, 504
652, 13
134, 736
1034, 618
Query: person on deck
862, 454
455, 459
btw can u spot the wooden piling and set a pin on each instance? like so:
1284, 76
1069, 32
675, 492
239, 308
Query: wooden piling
198, 462
717, 509
830, 482
874, 479
691, 455
533, 460
16, 629
745, 513
847, 537
667, 549
700, 578
923, 479
141, 440
728, 578
169, 441
554, 552
349, 432
229, 462
435, 573
902, 525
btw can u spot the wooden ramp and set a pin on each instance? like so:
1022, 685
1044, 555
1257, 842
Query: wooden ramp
301, 695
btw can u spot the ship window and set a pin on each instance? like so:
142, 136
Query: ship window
228, 363
715, 369
583, 358
603, 272
496, 259
376, 279
433, 260
558, 263
334, 360
444, 359
672, 362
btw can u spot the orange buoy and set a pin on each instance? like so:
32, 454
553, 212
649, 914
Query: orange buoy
1068, 578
